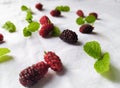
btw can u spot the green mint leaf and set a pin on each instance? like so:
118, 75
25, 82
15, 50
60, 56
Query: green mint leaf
90, 19
56, 31
93, 49
59, 8
63, 8
24, 8
33, 26
103, 65
9, 26
4, 51
29, 17
5, 58
80, 21
26, 33
66, 8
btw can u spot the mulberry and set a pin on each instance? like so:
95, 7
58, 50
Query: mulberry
53, 61
32, 74
69, 36
46, 29
80, 13
86, 28
1, 37
44, 20
94, 14
39, 6
55, 13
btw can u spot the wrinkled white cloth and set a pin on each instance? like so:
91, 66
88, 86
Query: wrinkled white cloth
79, 67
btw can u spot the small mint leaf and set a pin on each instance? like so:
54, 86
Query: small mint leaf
93, 49
90, 19
9, 26
103, 65
80, 21
66, 8
26, 33
33, 26
5, 58
4, 51
56, 31
24, 8
29, 17
59, 8
63, 8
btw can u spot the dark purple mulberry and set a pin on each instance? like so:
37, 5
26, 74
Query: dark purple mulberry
32, 74
55, 13
39, 6
69, 36
86, 28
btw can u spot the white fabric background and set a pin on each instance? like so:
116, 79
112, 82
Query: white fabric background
79, 71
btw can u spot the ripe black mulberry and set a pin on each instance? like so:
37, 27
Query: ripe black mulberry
69, 36
86, 28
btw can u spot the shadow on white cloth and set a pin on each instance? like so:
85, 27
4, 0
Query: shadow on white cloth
113, 75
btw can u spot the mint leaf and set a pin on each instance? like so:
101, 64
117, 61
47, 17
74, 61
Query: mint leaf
66, 8
29, 17
90, 19
93, 49
4, 51
9, 26
33, 26
26, 33
29, 13
24, 8
63, 8
56, 31
103, 65
59, 8
80, 21
5, 58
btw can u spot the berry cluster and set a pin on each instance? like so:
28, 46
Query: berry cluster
82, 20
81, 14
47, 27
34, 73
